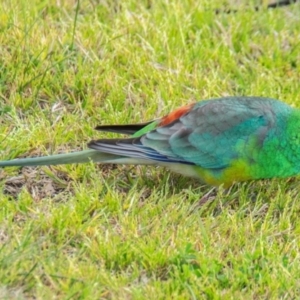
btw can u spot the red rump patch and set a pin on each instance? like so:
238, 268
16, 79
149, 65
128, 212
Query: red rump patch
176, 114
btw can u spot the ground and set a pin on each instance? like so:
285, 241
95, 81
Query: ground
121, 232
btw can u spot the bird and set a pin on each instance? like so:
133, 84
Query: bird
220, 141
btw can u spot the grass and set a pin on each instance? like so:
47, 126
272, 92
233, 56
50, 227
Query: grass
94, 232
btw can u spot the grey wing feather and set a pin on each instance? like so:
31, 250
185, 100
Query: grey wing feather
208, 135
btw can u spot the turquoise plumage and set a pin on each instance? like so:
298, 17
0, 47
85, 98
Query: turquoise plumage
219, 141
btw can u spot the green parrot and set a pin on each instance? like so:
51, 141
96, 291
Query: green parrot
220, 141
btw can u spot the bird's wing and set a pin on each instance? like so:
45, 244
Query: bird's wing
209, 134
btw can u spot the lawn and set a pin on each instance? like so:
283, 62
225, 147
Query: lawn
120, 232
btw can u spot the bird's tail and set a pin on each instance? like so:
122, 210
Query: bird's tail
73, 157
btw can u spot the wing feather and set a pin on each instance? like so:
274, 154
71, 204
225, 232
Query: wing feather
211, 134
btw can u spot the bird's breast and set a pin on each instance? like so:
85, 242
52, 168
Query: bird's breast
238, 170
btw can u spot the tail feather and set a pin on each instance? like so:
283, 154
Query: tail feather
75, 157
67, 158
102, 154
123, 129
